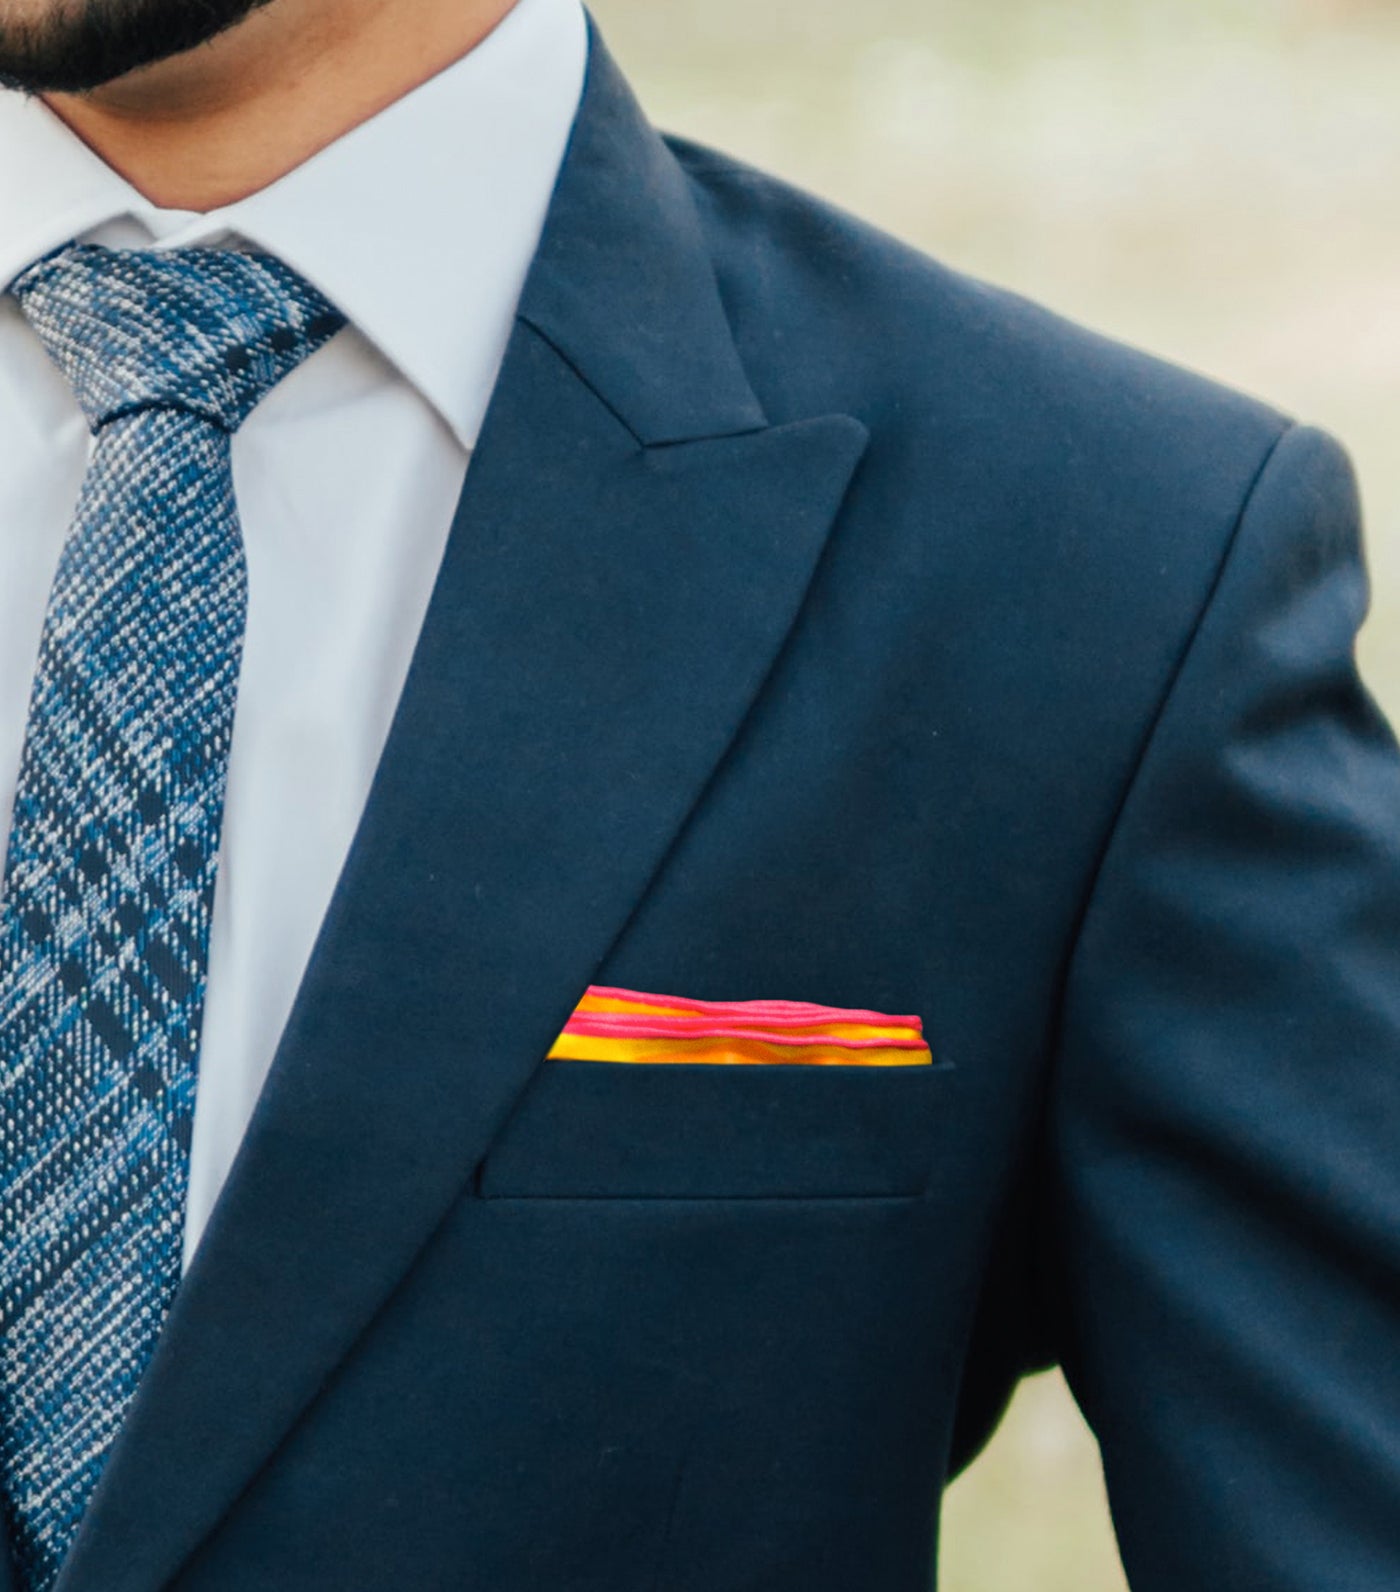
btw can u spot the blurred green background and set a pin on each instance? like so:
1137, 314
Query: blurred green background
1216, 180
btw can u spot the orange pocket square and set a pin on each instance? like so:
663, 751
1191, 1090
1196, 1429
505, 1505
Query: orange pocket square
626, 1025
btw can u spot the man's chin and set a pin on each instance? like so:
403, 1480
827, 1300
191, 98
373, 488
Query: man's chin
76, 46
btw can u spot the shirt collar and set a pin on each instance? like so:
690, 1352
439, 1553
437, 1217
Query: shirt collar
419, 225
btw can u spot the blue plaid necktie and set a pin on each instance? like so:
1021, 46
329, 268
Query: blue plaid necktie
113, 848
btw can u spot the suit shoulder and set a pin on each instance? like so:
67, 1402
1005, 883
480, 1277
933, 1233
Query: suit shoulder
831, 313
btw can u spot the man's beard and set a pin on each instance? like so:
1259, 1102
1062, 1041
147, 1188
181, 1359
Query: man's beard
70, 46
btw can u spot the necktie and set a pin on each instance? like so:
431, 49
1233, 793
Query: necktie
113, 850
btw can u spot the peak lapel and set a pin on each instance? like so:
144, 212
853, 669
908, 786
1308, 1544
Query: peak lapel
605, 614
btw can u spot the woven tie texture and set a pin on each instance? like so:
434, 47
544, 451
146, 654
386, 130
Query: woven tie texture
110, 870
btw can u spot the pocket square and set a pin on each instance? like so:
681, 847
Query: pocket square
627, 1025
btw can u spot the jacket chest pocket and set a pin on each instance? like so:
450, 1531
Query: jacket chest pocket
599, 1130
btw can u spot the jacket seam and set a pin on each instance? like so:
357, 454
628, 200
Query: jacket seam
1164, 701
572, 364
1051, 1345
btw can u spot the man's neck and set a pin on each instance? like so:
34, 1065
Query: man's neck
211, 126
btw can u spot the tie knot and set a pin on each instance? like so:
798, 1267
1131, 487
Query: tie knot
208, 331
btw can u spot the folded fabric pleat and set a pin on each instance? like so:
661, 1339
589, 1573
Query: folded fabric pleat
624, 1025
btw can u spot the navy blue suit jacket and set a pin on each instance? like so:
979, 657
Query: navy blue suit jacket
820, 625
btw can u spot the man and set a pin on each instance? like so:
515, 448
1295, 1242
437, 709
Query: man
848, 860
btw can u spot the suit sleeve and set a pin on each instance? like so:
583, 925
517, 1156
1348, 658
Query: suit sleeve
1225, 1108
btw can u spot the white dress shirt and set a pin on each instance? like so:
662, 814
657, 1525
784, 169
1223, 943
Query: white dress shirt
419, 225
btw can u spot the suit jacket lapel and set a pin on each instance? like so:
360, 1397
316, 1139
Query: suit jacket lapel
632, 547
